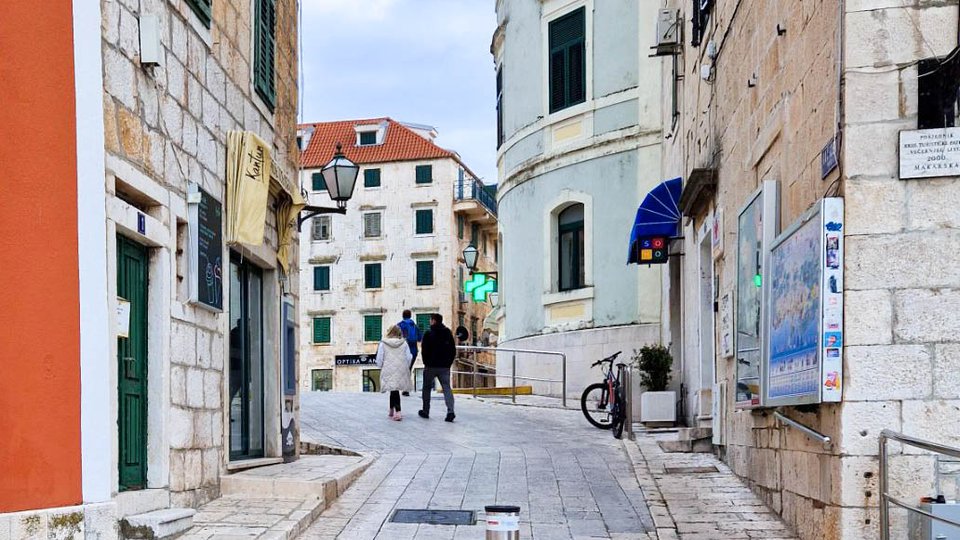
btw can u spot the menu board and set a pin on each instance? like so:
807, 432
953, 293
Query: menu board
206, 245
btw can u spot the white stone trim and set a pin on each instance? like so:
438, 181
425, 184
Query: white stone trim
551, 238
96, 421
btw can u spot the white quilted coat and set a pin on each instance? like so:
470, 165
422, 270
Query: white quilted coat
393, 357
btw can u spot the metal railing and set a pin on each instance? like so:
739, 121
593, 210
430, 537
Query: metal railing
817, 436
886, 498
513, 368
468, 188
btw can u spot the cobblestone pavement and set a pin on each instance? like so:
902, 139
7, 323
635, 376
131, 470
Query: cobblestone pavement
570, 479
688, 503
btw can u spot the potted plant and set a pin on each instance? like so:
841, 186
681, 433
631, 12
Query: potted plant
657, 404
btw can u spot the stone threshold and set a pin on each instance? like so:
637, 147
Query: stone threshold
253, 463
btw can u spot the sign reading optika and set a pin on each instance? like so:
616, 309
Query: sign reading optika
355, 360
929, 153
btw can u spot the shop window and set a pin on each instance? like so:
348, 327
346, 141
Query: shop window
372, 276
318, 183
322, 380
938, 85
202, 9
424, 273
265, 25
322, 330
371, 380
321, 228
371, 225
371, 178
568, 60
321, 278
424, 174
424, 221
571, 248
372, 328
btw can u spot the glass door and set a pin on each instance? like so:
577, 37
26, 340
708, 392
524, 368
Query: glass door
246, 360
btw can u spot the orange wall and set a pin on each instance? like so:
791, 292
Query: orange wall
39, 304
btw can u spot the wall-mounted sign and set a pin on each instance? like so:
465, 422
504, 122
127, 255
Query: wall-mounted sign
726, 326
828, 158
652, 250
716, 233
355, 360
480, 286
805, 302
123, 317
929, 153
206, 249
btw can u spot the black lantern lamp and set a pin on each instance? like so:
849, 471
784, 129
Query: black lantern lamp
340, 176
470, 257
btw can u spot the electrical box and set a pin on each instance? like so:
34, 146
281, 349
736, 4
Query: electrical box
924, 528
668, 32
151, 50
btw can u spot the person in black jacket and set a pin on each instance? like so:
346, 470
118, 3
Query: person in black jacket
438, 350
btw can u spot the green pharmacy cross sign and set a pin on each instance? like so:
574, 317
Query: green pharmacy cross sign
480, 285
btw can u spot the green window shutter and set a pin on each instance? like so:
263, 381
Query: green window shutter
423, 322
368, 138
371, 178
424, 273
372, 276
321, 330
372, 327
319, 184
424, 174
475, 235
201, 8
567, 60
460, 223
321, 278
265, 51
424, 221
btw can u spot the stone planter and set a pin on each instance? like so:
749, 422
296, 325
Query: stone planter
658, 408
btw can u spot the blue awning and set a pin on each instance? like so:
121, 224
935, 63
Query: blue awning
658, 216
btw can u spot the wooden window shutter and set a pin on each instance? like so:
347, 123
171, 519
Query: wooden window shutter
372, 327
319, 184
321, 278
424, 174
202, 9
371, 225
371, 178
424, 273
372, 276
321, 330
423, 322
424, 221
567, 60
265, 51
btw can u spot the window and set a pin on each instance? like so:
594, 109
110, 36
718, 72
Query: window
424, 174
319, 184
371, 178
372, 277
371, 380
460, 223
475, 234
483, 243
201, 8
371, 225
567, 60
499, 106
571, 255
473, 330
424, 221
423, 322
937, 88
321, 329
424, 273
322, 380
372, 327
701, 14
321, 278
321, 228
368, 137
263, 62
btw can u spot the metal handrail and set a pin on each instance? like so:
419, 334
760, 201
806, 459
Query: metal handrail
886, 498
815, 435
513, 365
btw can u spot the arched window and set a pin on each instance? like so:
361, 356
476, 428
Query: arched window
571, 248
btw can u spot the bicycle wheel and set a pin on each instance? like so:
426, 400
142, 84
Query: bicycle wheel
619, 415
594, 403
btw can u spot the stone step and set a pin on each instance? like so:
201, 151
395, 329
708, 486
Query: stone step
158, 524
699, 446
694, 433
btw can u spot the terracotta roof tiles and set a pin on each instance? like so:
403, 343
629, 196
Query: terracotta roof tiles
400, 144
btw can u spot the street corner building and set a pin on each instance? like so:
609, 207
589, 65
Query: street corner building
149, 329
579, 136
415, 209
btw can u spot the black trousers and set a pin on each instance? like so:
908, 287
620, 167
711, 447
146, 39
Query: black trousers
395, 400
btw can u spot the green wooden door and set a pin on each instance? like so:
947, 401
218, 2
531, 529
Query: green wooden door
132, 366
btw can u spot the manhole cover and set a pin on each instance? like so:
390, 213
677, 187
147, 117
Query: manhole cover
690, 470
435, 517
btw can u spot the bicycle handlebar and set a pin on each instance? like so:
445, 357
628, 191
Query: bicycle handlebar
610, 359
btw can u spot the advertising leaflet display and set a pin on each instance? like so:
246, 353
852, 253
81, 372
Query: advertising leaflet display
805, 309
206, 249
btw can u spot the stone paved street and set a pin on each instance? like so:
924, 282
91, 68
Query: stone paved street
570, 479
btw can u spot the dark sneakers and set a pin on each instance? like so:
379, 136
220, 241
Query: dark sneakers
423, 414
450, 417
405, 394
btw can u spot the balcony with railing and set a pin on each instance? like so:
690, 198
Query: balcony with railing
469, 189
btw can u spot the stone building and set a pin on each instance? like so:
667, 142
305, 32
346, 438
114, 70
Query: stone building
578, 147
769, 108
153, 390
399, 246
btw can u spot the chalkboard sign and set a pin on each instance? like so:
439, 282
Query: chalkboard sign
206, 246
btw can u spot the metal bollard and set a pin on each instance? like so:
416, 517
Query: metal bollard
503, 522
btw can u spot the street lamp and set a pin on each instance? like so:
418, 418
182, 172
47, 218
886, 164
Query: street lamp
470, 256
340, 176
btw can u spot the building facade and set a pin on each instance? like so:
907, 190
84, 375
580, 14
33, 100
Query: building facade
167, 366
415, 207
579, 134
770, 109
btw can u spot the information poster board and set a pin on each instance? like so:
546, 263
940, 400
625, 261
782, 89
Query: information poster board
805, 303
206, 249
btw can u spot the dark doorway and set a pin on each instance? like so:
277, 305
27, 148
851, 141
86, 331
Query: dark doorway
246, 360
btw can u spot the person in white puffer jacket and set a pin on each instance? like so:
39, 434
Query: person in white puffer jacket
393, 358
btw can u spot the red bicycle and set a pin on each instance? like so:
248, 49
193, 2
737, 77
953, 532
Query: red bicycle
603, 403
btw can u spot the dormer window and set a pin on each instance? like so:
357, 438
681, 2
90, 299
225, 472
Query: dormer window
370, 134
368, 138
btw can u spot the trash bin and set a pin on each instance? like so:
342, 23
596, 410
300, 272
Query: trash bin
503, 522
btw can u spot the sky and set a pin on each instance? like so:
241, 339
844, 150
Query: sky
420, 61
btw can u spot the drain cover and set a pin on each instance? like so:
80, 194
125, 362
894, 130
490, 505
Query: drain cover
690, 470
435, 517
